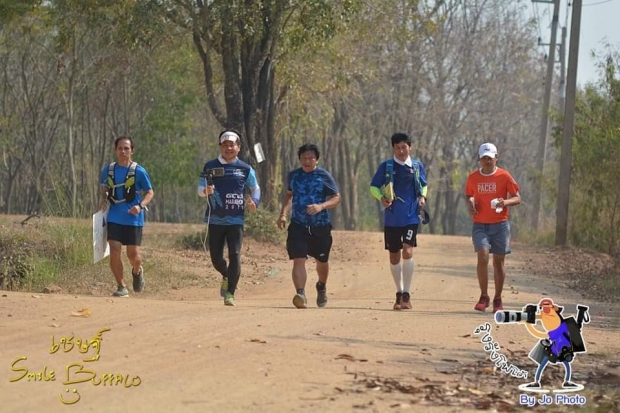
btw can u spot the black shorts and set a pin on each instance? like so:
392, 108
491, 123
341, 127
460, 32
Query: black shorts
395, 237
125, 234
313, 241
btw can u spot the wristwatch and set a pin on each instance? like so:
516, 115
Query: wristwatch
141, 206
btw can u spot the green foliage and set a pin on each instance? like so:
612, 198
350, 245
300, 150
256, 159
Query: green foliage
168, 145
318, 21
595, 201
13, 9
261, 225
125, 23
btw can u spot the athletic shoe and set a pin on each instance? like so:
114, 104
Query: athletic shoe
300, 301
321, 296
533, 385
121, 291
224, 287
397, 303
497, 305
229, 299
405, 304
482, 304
138, 280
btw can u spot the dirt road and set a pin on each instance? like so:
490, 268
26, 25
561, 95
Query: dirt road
185, 352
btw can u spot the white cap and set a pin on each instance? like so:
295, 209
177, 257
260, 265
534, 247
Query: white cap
229, 136
487, 149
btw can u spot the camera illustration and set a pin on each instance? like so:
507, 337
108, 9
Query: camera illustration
511, 317
565, 354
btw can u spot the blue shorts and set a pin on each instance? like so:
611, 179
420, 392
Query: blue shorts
493, 237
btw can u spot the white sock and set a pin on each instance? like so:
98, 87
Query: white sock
398, 278
407, 274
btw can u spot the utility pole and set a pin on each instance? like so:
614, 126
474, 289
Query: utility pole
561, 224
544, 122
563, 71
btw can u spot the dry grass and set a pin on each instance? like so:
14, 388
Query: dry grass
61, 253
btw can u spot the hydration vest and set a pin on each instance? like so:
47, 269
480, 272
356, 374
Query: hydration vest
129, 191
388, 188
389, 175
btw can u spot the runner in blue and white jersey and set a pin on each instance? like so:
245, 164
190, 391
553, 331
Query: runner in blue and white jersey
224, 182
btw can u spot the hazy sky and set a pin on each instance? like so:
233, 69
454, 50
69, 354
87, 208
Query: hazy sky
599, 24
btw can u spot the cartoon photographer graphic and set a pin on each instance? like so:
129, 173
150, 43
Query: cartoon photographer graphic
559, 340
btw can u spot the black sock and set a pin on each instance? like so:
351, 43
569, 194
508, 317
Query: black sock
320, 286
301, 291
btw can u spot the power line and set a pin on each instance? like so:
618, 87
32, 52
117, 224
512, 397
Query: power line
596, 4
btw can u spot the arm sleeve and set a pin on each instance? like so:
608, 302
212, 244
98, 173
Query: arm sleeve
423, 181
378, 181
376, 193
252, 183
202, 184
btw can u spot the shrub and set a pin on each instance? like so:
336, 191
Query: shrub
34, 254
261, 225
195, 241
15, 266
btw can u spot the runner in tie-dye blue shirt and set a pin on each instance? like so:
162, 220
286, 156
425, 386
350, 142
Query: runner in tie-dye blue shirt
311, 192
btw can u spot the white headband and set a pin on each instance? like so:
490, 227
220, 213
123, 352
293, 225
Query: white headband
229, 136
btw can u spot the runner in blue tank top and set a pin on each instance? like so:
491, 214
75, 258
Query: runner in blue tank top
224, 181
312, 191
127, 190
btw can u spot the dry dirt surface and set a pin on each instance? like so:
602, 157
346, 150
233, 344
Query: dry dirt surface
182, 350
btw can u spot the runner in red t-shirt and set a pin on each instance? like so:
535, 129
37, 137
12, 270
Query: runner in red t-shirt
490, 190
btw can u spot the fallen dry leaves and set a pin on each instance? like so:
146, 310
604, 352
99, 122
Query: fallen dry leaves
595, 275
349, 357
474, 385
84, 313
